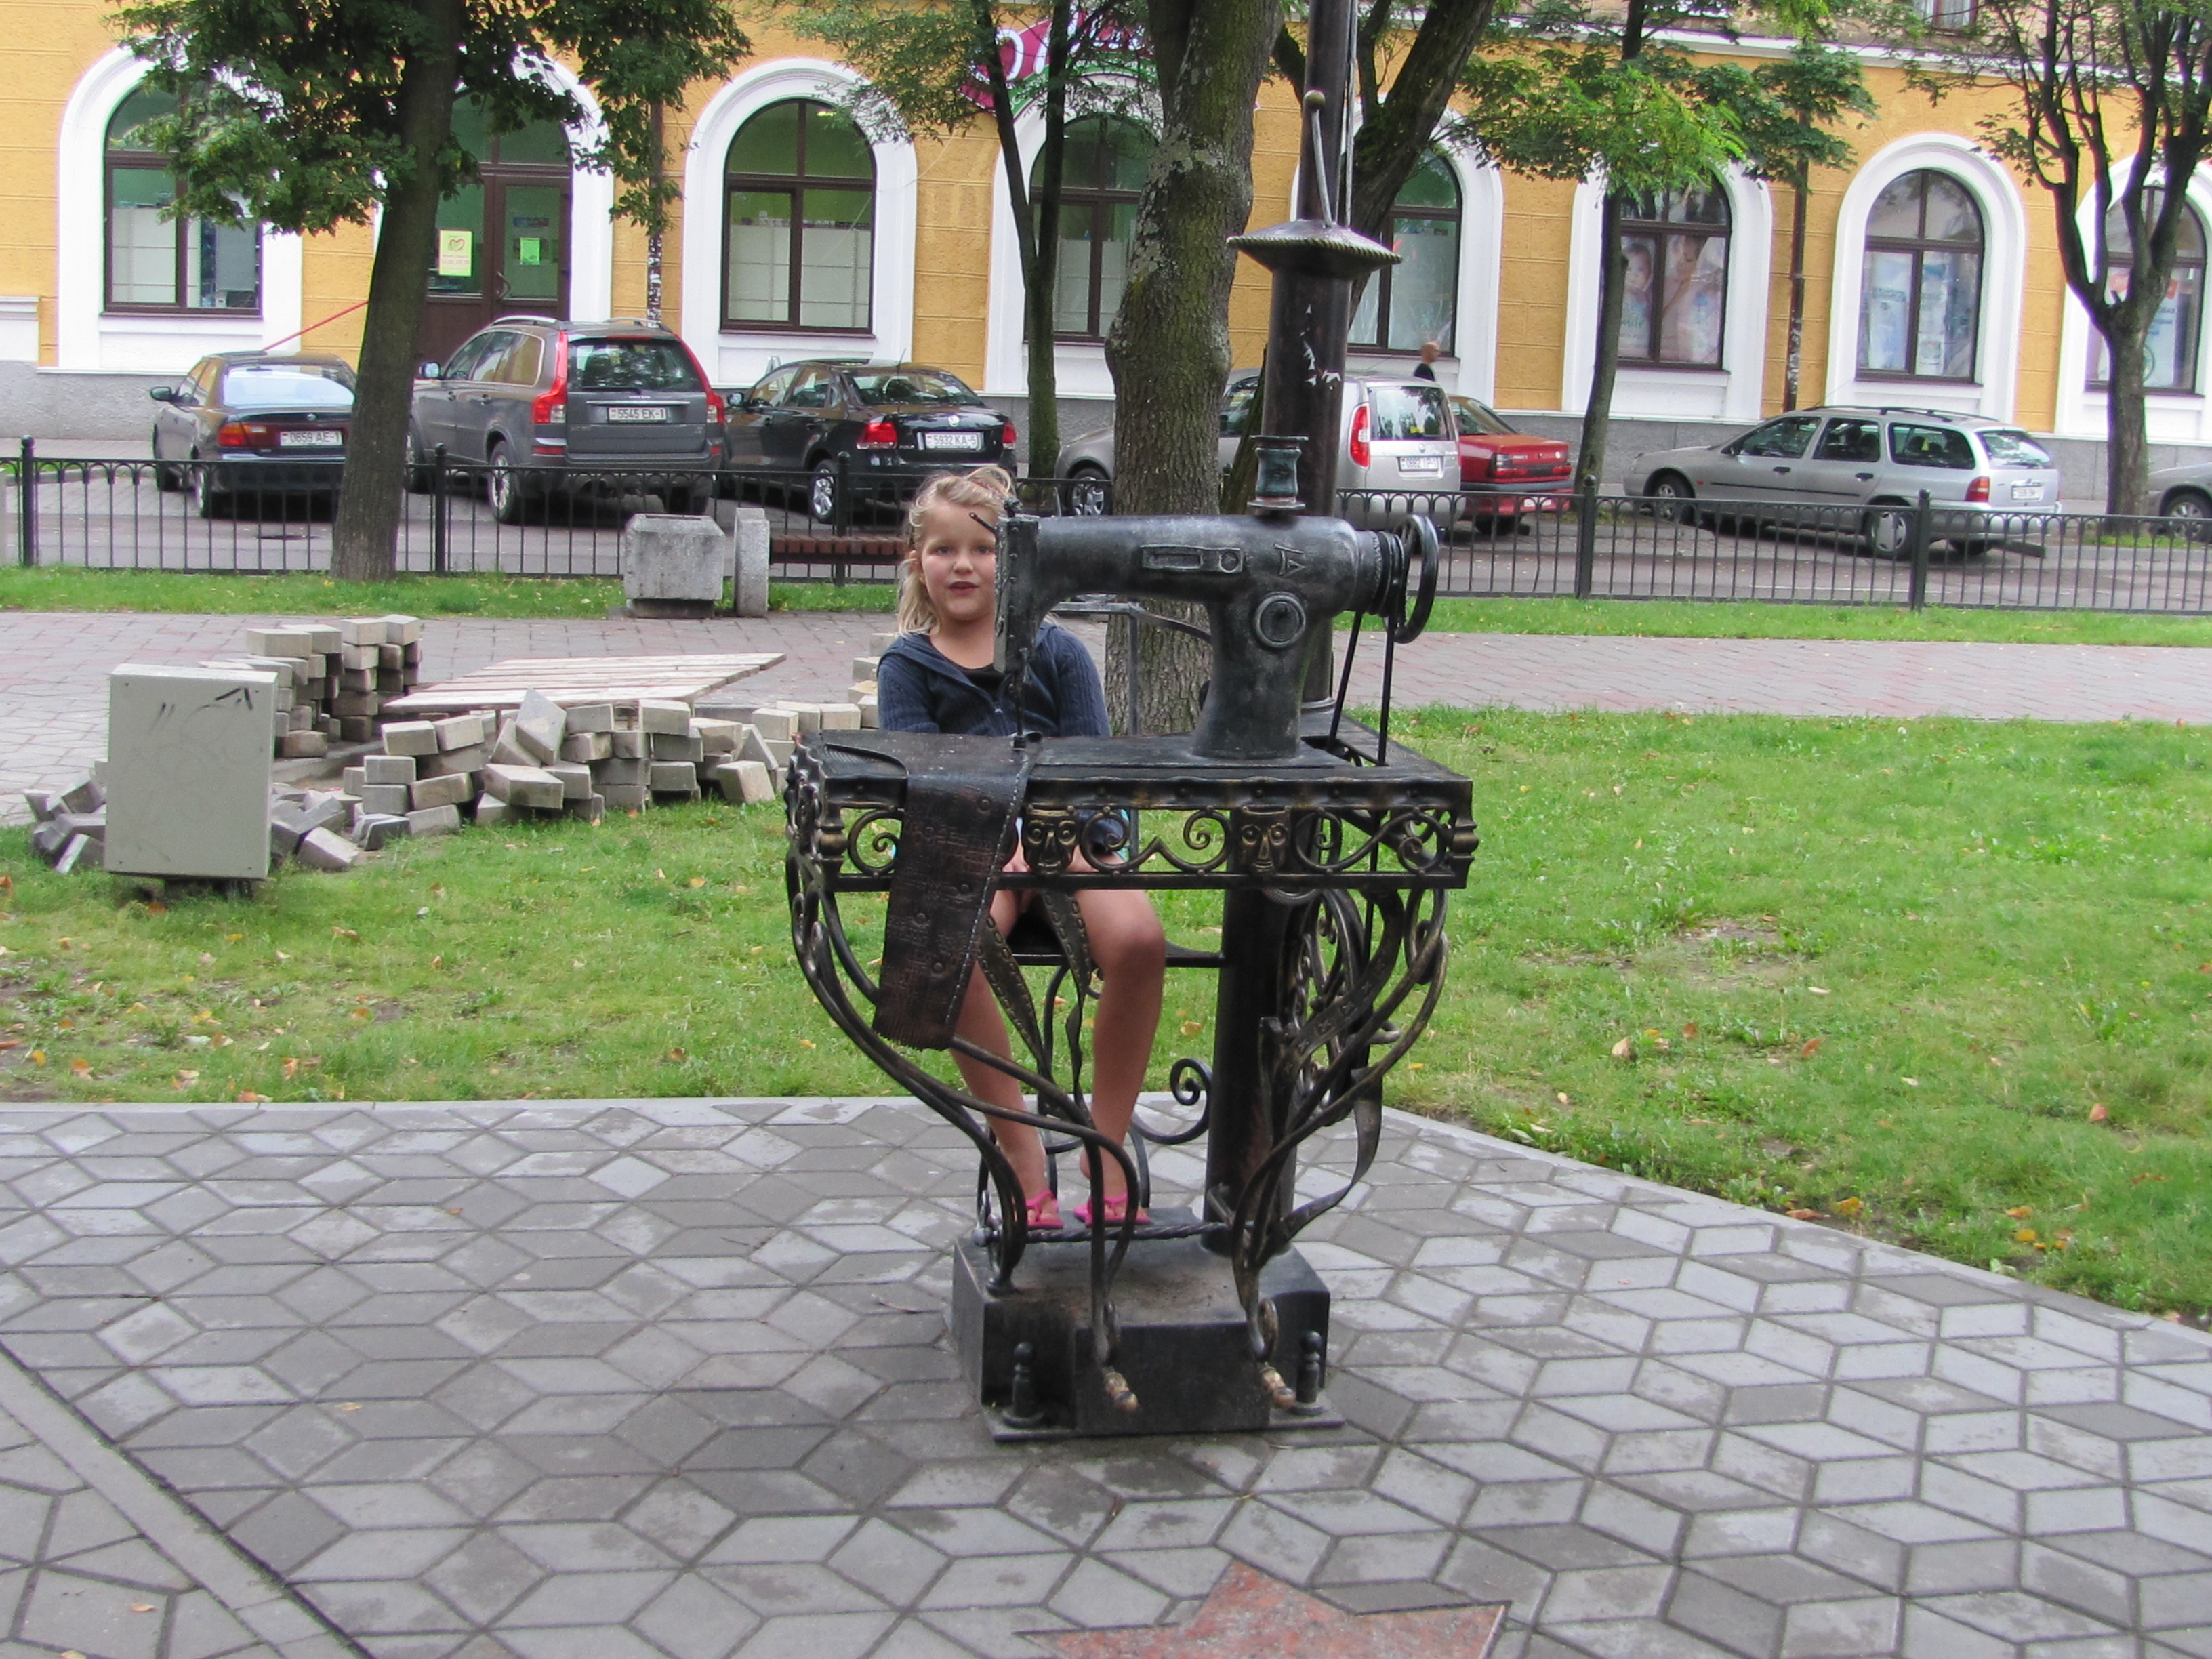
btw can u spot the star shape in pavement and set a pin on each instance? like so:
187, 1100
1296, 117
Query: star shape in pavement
1249, 1613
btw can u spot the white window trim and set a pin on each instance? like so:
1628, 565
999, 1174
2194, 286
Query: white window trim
590, 207
87, 339
2176, 417
2004, 245
1472, 370
1736, 390
737, 358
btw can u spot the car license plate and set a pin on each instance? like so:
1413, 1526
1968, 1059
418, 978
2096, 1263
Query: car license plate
1424, 465
637, 413
952, 441
2027, 492
311, 441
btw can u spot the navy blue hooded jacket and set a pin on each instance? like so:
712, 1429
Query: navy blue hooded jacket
919, 688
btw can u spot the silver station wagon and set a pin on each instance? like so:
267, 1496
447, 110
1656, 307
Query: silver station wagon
1988, 479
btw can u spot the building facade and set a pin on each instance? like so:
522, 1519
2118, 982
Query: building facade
1932, 277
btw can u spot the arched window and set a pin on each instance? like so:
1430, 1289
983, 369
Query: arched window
155, 264
1103, 174
2170, 350
798, 250
1920, 300
1675, 300
1414, 300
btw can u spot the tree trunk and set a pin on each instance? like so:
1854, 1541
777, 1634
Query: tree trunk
1794, 362
1169, 348
656, 234
2127, 452
365, 537
1041, 287
1597, 415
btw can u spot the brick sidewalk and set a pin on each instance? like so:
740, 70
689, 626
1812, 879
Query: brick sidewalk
54, 665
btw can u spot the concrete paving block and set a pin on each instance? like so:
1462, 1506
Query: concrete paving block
73, 853
746, 782
777, 724
625, 797
673, 778
715, 708
387, 797
355, 658
93, 825
433, 821
841, 717
860, 692
779, 754
446, 762
673, 718
716, 737
880, 643
353, 682
400, 629
378, 829
189, 759
416, 737
388, 768
43, 803
539, 725
48, 838
751, 746
278, 641
523, 786
575, 781
448, 789
327, 849
871, 715
362, 630
591, 717
585, 747
303, 745
590, 808
864, 668
491, 810
673, 562
356, 728
673, 746
459, 731
627, 746
807, 719
749, 551
390, 658
358, 705
353, 778
85, 795
619, 771
507, 750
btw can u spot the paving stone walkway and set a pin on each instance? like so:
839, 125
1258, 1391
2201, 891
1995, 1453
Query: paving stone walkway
607, 1380
54, 666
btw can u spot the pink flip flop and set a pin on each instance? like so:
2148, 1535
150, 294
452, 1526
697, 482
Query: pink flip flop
1117, 1211
1043, 1212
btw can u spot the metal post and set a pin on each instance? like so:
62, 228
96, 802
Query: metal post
438, 531
1585, 538
841, 519
27, 492
1918, 591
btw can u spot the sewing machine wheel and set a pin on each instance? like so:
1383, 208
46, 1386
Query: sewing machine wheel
1418, 535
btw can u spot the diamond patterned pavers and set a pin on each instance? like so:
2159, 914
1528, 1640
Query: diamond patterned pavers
669, 1377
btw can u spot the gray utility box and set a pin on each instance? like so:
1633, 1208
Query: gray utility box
188, 769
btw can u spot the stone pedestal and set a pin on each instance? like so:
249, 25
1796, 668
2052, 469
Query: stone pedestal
673, 566
188, 769
1183, 1347
749, 543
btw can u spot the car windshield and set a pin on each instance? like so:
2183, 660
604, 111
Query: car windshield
1400, 413
877, 387
291, 385
630, 366
2008, 448
1478, 418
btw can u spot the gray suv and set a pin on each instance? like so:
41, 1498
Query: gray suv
544, 404
1988, 477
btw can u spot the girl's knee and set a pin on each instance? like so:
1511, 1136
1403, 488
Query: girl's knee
1133, 943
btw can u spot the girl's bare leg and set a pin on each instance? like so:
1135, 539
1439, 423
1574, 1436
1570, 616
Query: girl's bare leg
980, 1023
1131, 949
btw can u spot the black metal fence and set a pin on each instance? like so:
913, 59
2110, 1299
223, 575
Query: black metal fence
847, 526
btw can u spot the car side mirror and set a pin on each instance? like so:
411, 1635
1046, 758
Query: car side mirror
163, 394
431, 371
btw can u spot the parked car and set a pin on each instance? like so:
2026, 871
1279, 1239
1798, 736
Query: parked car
1396, 435
1858, 462
1497, 466
870, 425
2185, 492
547, 404
255, 425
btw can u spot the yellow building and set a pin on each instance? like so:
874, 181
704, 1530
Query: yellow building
1932, 275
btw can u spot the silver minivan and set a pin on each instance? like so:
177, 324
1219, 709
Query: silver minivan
1989, 479
1397, 437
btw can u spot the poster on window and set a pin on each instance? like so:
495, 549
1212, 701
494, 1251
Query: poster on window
457, 253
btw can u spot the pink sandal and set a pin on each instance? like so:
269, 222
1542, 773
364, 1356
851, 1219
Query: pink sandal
1043, 1212
1117, 1211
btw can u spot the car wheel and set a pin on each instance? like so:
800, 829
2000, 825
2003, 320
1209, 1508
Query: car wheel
207, 501
1671, 497
503, 486
418, 464
822, 493
165, 475
1087, 490
2193, 509
1889, 532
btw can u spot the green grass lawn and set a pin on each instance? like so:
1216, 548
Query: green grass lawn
1885, 973
56, 589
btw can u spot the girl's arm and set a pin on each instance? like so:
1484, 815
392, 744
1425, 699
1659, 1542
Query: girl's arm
902, 703
1081, 697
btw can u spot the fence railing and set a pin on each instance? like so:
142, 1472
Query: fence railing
846, 524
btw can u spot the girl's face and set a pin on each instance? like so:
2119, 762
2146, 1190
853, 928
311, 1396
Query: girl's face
957, 557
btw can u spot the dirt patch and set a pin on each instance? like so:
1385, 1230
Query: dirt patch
1727, 954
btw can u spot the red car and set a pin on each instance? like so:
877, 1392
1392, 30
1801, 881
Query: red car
1498, 467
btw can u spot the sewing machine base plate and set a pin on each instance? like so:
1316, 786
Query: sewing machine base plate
1183, 1347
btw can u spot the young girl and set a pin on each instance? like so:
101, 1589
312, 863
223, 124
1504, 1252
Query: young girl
938, 678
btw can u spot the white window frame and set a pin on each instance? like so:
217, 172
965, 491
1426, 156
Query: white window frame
1472, 370
2004, 245
2171, 417
736, 358
1733, 390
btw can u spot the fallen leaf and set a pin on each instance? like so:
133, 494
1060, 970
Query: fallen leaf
38, 1056
1564, 1101
345, 932
676, 1053
696, 881
2098, 1113
1848, 1207
283, 955
662, 874
1819, 990
349, 1406
1625, 1049
575, 961
1689, 1030
1811, 1048
2170, 1314
291, 1068
438, 961
185, 1079
2023, 1236
82, 1067
1192, 1028
2020, 1212
1804, 1215
1910, 1082
10, 1043
251, 1098
805, 1042
206, 956
155, 907
232, 938
1417, 1065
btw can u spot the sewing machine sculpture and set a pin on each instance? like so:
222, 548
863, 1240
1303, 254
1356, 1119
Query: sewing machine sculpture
1334, 853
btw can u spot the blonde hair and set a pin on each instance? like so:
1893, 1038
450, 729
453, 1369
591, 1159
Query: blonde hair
984, 487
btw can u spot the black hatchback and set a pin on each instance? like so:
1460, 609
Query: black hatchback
247, 424
870, 430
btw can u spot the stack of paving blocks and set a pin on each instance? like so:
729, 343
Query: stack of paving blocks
333, 679
765, 734
864, 678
